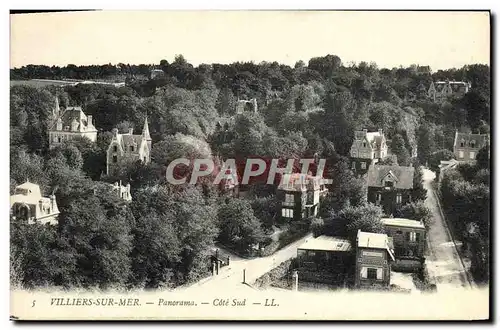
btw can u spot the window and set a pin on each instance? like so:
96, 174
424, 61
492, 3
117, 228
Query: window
59, 139
460, 154
287, 213
131, 148
364, 144
353, 165
115, 159
115, 148
289, 200
144, 159
417, 238
462, 143
399, 198
311, 253
363, 165
371, 273
378, 198
389, 184
472, 155
411, 236
472, 144
399, 232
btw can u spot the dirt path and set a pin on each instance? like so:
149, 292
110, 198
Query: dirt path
443, 261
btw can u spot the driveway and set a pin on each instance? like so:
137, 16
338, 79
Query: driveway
443, 261
232, 275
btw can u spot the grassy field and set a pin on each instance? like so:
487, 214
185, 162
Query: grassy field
38, 83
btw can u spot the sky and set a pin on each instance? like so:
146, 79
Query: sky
439, 39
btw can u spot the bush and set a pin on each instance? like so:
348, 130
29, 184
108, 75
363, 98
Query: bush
317, 227
270, 249
276, 275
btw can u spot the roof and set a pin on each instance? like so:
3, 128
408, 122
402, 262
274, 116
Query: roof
326, 243
481, 139
71, 114
374, 138
403, 175
299, 182
401, 222
373, 240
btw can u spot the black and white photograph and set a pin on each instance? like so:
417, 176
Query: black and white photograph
250, 165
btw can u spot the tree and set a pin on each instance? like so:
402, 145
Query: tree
353, 218
483, 157
239, 227
416, 211
436, 158
426, 143
418, 191
398, 148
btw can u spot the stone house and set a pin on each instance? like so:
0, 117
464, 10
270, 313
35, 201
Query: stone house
390, 186
441, 90
299, 196
127, 149
28, 205
367, 149
69, 123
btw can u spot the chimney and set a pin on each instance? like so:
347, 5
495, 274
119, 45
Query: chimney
115, 132
130, 131
89, 120
365, 130
381, 131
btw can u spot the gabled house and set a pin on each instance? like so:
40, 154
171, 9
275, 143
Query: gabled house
122, 191
69, 123
28, 205
467, 145
390, 186
441, 90
374, 253
367, 149
299, 196
127, 149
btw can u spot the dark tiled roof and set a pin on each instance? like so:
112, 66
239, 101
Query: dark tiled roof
481, 139
402, 174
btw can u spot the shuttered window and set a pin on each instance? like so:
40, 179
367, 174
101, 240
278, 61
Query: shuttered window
379, 273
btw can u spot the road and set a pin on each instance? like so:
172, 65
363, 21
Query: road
232, 275
443, 262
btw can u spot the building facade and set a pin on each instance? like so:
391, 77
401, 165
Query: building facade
246, 105
373, 256
390, 186
408, 236
299, 196
466, 145
367, 149
441, 90
127, 149
70, 123
28, 205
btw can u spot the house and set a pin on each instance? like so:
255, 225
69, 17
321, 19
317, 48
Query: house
390, 186
127, 149
69, 123
299, 196
122, 191
246, 105
373, 257
28, 205
467, 145
325, 259
444, 166
367, 149
441, 90
408, 236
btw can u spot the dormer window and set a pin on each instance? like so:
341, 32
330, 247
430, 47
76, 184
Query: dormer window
115, 148
472, 144
132, 148
389, 184
364, 144
462, 143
